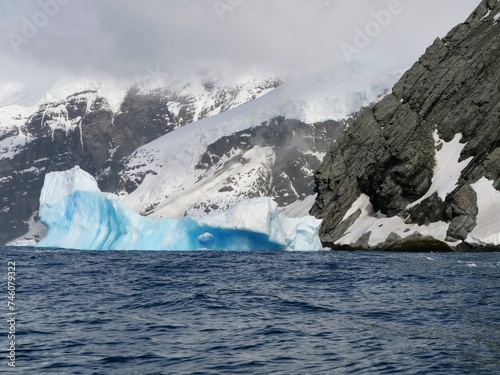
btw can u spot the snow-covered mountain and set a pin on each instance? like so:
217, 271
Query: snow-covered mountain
179, 100
268, 147
208, 93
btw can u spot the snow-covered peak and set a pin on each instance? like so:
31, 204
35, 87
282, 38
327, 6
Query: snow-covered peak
203, 80
333, 93
113, 92
15, 115
204, 88
207, 92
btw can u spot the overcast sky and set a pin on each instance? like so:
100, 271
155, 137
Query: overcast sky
122, 38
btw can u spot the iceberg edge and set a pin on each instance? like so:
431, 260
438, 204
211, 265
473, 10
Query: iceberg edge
79, 216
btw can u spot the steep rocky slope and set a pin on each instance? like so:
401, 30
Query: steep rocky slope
422, 168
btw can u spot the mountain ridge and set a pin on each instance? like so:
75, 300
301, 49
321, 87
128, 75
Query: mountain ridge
159, 176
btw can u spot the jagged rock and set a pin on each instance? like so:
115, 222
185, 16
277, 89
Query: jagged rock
362, 242
415, 243
492, 167
389, 153
462, 210
430, 210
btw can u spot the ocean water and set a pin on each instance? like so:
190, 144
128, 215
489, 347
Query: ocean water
84, 312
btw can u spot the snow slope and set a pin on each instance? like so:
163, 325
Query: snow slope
13, 135
166, 168
79, 216
208, 92
448, 168
487, 231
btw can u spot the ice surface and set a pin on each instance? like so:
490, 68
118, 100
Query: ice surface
79, 216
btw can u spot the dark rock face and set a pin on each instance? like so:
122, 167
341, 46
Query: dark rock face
389, 153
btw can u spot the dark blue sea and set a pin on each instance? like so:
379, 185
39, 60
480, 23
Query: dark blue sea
81, 312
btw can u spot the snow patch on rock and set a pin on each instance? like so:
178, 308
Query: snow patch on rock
380, 227
448, 168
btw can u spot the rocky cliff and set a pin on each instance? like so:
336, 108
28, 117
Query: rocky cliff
422, 168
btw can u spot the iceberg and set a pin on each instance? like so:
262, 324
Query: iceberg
79, 216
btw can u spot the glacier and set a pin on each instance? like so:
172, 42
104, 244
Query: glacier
79, 216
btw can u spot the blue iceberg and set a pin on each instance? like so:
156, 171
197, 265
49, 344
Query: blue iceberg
79, 216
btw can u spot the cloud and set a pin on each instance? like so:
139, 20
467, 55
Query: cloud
121, 38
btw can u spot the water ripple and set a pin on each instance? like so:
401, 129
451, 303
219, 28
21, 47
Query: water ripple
265, 313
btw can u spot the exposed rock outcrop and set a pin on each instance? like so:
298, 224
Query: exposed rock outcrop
412, 164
